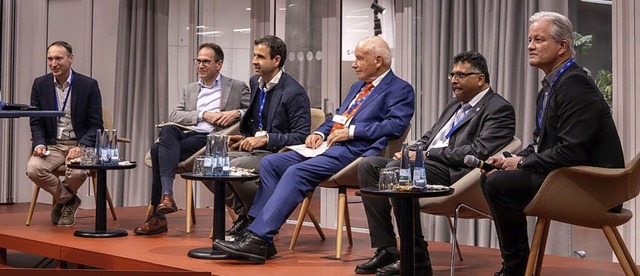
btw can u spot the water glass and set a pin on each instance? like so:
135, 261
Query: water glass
89, 156
388, 179
198, 166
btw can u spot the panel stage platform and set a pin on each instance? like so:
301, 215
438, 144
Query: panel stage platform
168, 252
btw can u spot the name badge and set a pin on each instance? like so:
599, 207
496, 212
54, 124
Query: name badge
261, 133
340, 119
59, 134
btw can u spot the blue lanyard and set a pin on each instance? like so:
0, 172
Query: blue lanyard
55, 95
546, 97
455, 126
356, 102
263, 97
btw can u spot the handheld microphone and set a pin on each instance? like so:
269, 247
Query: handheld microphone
473, 161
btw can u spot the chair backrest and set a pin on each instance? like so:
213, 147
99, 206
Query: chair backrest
348, 176
583, 195
467, 192
317, 118
107, 121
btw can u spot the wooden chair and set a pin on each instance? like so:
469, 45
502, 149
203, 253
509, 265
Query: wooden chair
345, 178
107, 123
583, 196
186, 166
467, 202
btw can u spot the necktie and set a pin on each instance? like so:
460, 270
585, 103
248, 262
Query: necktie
460, 113
349, 112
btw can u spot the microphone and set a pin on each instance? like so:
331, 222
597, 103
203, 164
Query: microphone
473, 161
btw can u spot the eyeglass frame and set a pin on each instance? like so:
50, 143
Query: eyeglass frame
461, 75
204, 62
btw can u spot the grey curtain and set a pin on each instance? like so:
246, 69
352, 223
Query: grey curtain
140, 96
498, 29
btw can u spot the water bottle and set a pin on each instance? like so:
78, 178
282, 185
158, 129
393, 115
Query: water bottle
105, 148
115, 155
208, 156
419, 171
224, 146
217, 155
405, 167
98, 146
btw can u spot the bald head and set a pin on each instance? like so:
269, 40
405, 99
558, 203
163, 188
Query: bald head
373, 58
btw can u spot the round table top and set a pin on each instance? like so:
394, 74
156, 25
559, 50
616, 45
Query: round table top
393, 193
101, 167
232, 177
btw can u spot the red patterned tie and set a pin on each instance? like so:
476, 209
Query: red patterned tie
349, 112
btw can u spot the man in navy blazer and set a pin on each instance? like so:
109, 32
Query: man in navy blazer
487, 123
55, 140
573, 127
378, 107
278, 116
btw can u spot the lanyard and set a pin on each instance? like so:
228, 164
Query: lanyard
263, 97
546, 97
55, 95
455, 126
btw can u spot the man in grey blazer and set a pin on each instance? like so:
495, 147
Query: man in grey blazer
210, 105
476, 122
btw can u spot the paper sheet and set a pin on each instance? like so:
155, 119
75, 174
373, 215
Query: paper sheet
308, 152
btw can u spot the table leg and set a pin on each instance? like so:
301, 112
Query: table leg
407, 236
101, 230
211, 253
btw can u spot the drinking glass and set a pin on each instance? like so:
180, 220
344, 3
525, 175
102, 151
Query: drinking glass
198, 166
88, 156
388, 179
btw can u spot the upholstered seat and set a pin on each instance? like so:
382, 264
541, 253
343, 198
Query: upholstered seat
583, 196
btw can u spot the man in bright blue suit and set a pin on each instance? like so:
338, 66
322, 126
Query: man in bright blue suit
378, 107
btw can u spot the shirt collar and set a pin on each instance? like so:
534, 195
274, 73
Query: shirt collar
215, 82
478, 97
272, 83
66, 83
379, 78
549, 77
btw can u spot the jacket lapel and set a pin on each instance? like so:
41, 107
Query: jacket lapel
225, 90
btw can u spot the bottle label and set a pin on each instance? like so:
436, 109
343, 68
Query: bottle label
405, 177
419, 177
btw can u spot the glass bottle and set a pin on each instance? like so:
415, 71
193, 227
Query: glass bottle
115, 155
419, 171
405, 167
208, 156
224, 155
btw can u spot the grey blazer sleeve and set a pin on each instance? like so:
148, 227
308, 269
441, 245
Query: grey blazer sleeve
185, 112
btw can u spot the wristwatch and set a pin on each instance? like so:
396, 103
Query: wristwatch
519, 165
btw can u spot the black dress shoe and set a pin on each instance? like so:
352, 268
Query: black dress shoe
394, 269
241, 223
250, 246
382, 258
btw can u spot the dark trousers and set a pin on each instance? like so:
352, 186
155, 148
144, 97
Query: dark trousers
378, 209
508, 193
172, 147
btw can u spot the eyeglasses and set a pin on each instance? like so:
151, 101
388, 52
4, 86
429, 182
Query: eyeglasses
204, 62
461, 75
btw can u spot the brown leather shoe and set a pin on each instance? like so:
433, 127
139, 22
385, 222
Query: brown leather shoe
167, 205
152, 226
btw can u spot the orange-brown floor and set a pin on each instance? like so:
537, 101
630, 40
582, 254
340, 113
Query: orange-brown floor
168, 252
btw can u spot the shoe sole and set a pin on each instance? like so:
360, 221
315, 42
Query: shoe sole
233, 253
162, 230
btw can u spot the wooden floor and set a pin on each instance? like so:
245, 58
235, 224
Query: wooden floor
168, 252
